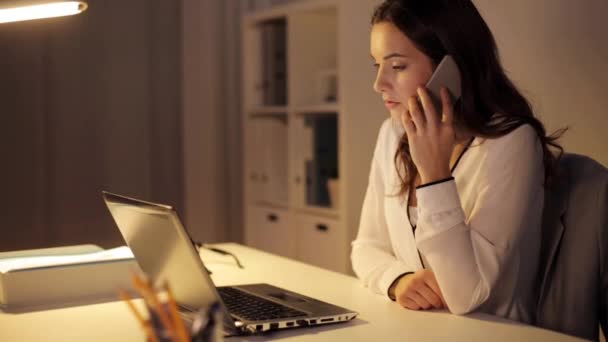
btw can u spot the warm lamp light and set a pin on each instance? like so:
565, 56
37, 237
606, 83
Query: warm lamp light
24, 10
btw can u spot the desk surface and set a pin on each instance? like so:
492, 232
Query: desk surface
379, 318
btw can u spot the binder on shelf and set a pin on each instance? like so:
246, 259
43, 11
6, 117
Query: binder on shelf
274, 53
324, 162
63, 276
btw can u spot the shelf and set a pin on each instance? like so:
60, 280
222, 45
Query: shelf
267, 110
323, 108
269, 205
319, 211
297, 136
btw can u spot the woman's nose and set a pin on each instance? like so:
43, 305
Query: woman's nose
380, 83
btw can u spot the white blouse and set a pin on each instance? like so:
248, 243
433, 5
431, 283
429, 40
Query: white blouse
413, 216
479, 233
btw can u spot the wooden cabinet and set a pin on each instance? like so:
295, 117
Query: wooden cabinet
269, 229
320, 242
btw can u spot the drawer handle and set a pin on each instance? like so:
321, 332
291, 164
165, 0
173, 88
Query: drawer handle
273, 218
322, 228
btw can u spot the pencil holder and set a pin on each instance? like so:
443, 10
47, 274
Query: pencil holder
161, 332
206, 326
164, 322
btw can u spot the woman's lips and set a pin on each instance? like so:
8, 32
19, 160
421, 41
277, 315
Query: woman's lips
391, 104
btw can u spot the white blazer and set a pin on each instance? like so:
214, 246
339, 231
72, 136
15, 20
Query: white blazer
479, 233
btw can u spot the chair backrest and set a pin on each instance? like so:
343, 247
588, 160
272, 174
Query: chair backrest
573, 278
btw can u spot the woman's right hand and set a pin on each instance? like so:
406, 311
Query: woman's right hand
419, 291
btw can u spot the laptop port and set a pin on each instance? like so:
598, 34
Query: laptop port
274, 325
259, 327
313, 321
302, 322
327, 320
290, 324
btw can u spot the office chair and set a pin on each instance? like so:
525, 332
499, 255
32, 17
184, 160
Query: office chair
573, 275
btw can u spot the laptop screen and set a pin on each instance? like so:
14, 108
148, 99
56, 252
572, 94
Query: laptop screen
164, 251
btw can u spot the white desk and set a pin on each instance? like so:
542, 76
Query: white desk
378, 320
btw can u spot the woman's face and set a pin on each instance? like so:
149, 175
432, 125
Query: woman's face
401, 67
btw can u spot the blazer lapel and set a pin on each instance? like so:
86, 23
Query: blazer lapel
553, 226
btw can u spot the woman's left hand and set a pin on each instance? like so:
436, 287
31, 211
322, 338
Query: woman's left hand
430, 135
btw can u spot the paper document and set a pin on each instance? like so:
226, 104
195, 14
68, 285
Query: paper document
27, 262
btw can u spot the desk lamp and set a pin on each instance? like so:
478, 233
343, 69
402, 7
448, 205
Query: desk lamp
19, 10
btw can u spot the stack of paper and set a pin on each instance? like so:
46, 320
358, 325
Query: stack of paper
44, 278
37, 261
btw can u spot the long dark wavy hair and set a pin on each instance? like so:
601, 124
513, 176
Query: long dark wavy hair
490, 105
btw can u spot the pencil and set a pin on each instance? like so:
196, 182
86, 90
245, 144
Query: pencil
180, 328
144, 323
150, 296
151, 335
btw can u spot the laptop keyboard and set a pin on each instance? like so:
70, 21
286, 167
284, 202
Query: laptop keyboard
253, 308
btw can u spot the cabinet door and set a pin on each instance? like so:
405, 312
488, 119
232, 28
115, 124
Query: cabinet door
266, 156
319, 242
275, 161
301, 155
269, 229
254, 166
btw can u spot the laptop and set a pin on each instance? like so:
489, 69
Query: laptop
165, 252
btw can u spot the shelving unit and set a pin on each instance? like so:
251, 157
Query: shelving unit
265, 110
318, 109
308, 141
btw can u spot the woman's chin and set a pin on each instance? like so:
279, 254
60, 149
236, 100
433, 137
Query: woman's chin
395, 114
396, 123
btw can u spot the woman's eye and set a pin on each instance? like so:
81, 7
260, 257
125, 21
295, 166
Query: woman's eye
399, 67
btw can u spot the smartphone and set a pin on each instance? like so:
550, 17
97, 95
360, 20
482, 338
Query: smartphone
446, 75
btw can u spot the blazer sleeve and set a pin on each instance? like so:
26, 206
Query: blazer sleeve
372, 256
602, 209
468, 255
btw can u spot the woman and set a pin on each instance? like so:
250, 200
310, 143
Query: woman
451, 218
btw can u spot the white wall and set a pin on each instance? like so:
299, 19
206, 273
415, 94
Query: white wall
556, 51
211, 131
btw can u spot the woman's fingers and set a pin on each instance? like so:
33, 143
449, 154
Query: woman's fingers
416, 113
419, 291
419, 300
431, 296
410, 304
408, 124
448, 109
431, 282
429, 110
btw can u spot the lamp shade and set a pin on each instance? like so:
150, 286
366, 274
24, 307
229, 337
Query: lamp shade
30, 10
